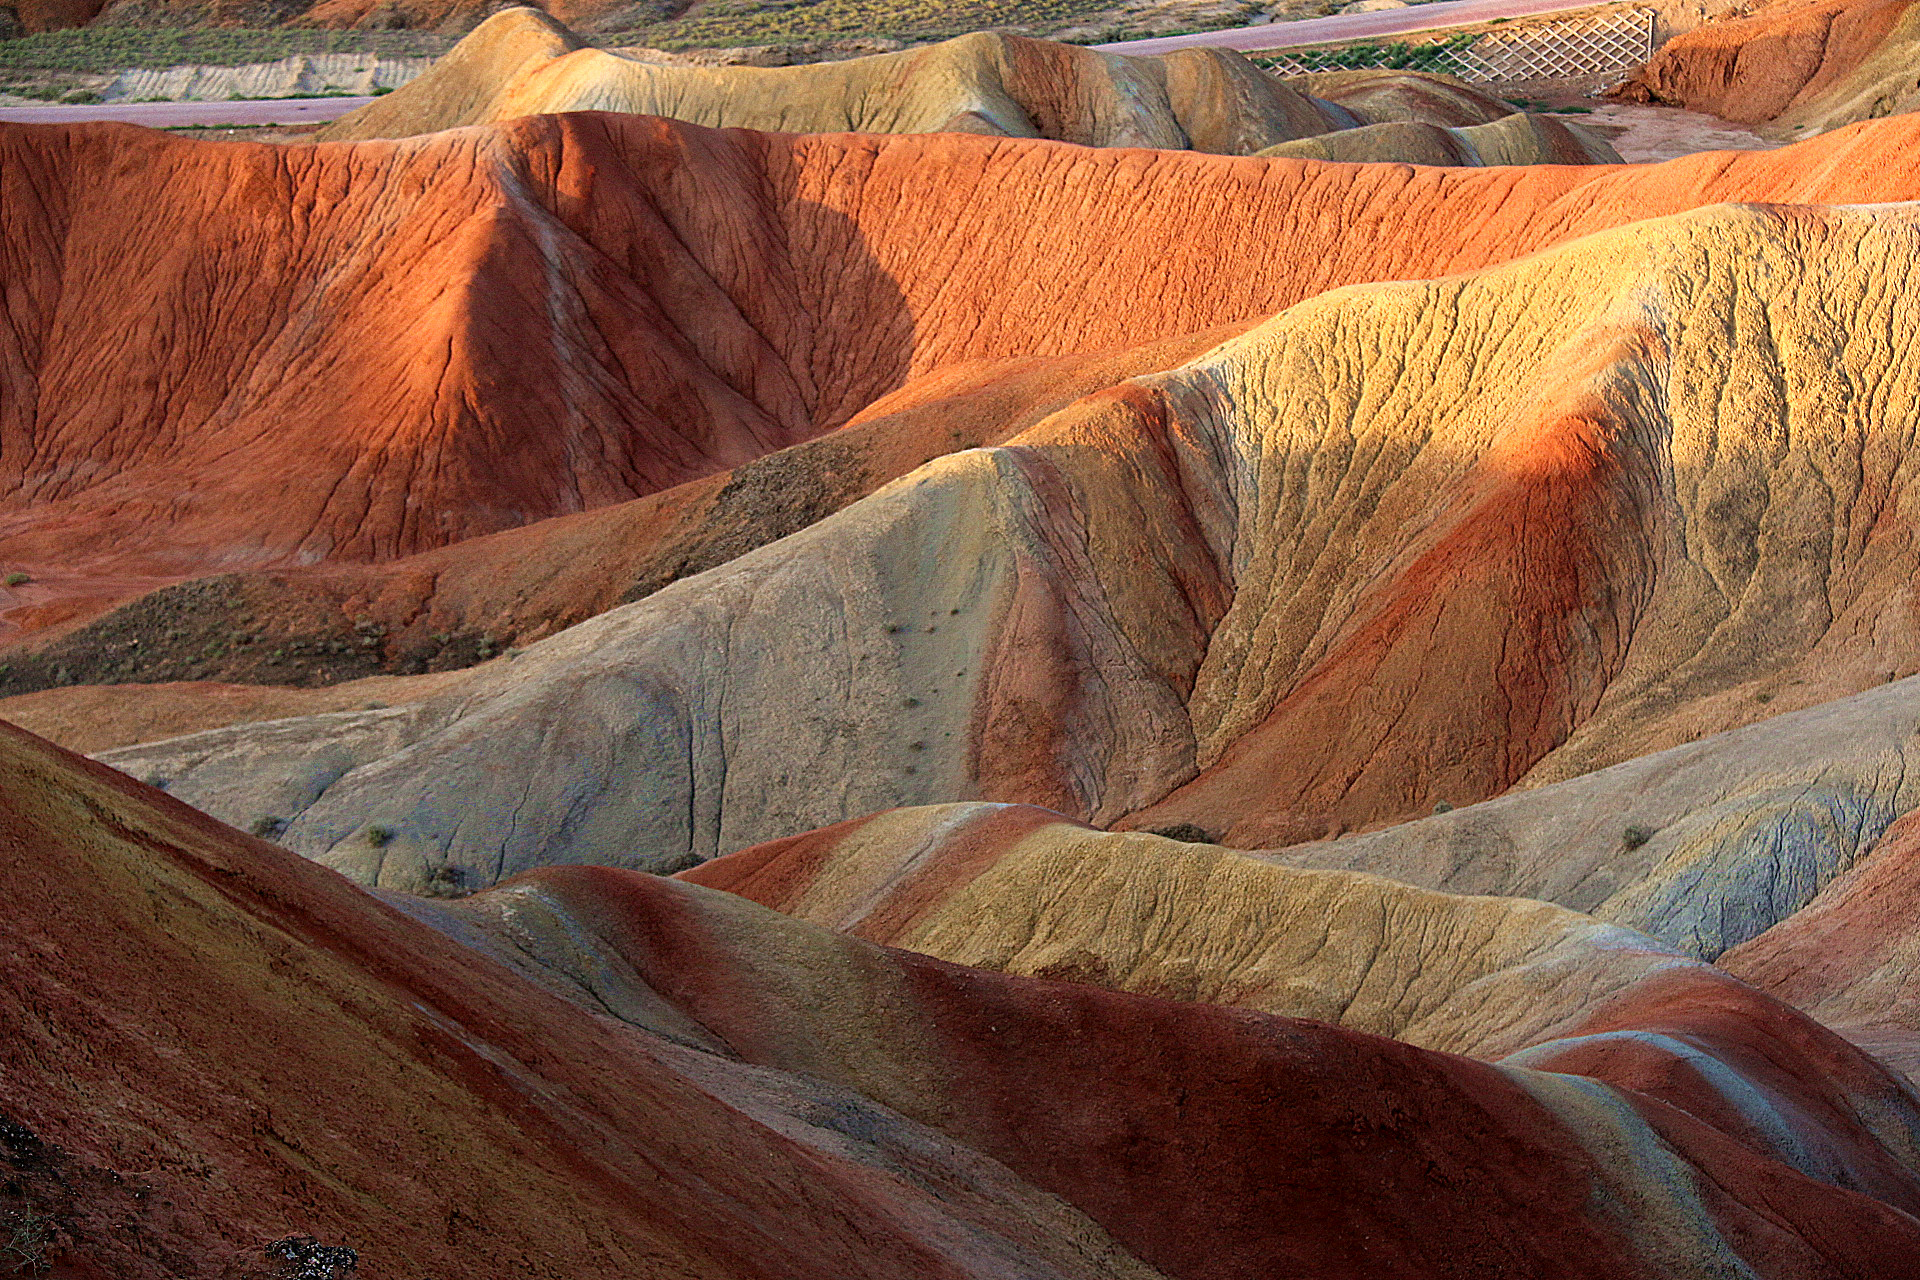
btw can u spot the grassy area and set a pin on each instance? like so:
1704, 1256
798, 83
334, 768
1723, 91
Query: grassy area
1396, 56
54, 63
722, 23
103, 50
745, 22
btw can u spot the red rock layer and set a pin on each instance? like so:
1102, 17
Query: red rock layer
1220, 1143
1705, 1059
468, 333
212, 1044
1753, 68
54, 15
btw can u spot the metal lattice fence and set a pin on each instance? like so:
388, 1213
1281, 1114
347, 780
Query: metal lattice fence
1593, 45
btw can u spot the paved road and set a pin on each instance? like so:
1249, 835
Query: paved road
1350, 26
163, 115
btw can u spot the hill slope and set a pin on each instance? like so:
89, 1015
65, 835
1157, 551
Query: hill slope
753, 1096
1800, 66
1399, 545
523, 62
396, 387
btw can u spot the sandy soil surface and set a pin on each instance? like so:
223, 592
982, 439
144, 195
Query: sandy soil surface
1650, 134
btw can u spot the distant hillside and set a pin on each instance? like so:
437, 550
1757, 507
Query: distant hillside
777, 31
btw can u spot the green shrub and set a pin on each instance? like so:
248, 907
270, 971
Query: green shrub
1635, 836
25, 1237
721, 24
447, 882
18, 579
1397, 56
1185, 833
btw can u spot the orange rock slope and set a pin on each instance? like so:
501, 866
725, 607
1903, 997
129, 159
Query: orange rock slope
464, 335
1801, 66
1238, 498
1394, 547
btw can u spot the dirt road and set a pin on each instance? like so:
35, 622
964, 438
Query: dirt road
1350, 26
167, 115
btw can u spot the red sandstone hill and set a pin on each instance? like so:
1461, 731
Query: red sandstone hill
486, 330
1799, 66
1471, 530
214, 1044
1258, 499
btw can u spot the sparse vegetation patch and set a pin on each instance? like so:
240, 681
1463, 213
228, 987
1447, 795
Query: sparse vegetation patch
305, 1258
447, 882
25, 1238
1185, 832
1436, 56
103, 50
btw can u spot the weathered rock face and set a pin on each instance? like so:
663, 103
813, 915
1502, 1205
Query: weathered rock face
1502, 979
426, 350
1407, 97
450, 338
1703, 845
212, 1045
1849, 958
474, 599
523, 62
551, 1075
416, 417
1801, 66
920, 504
1022, 890
1723, 1078
51, 15
1513, 139
1396, 546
